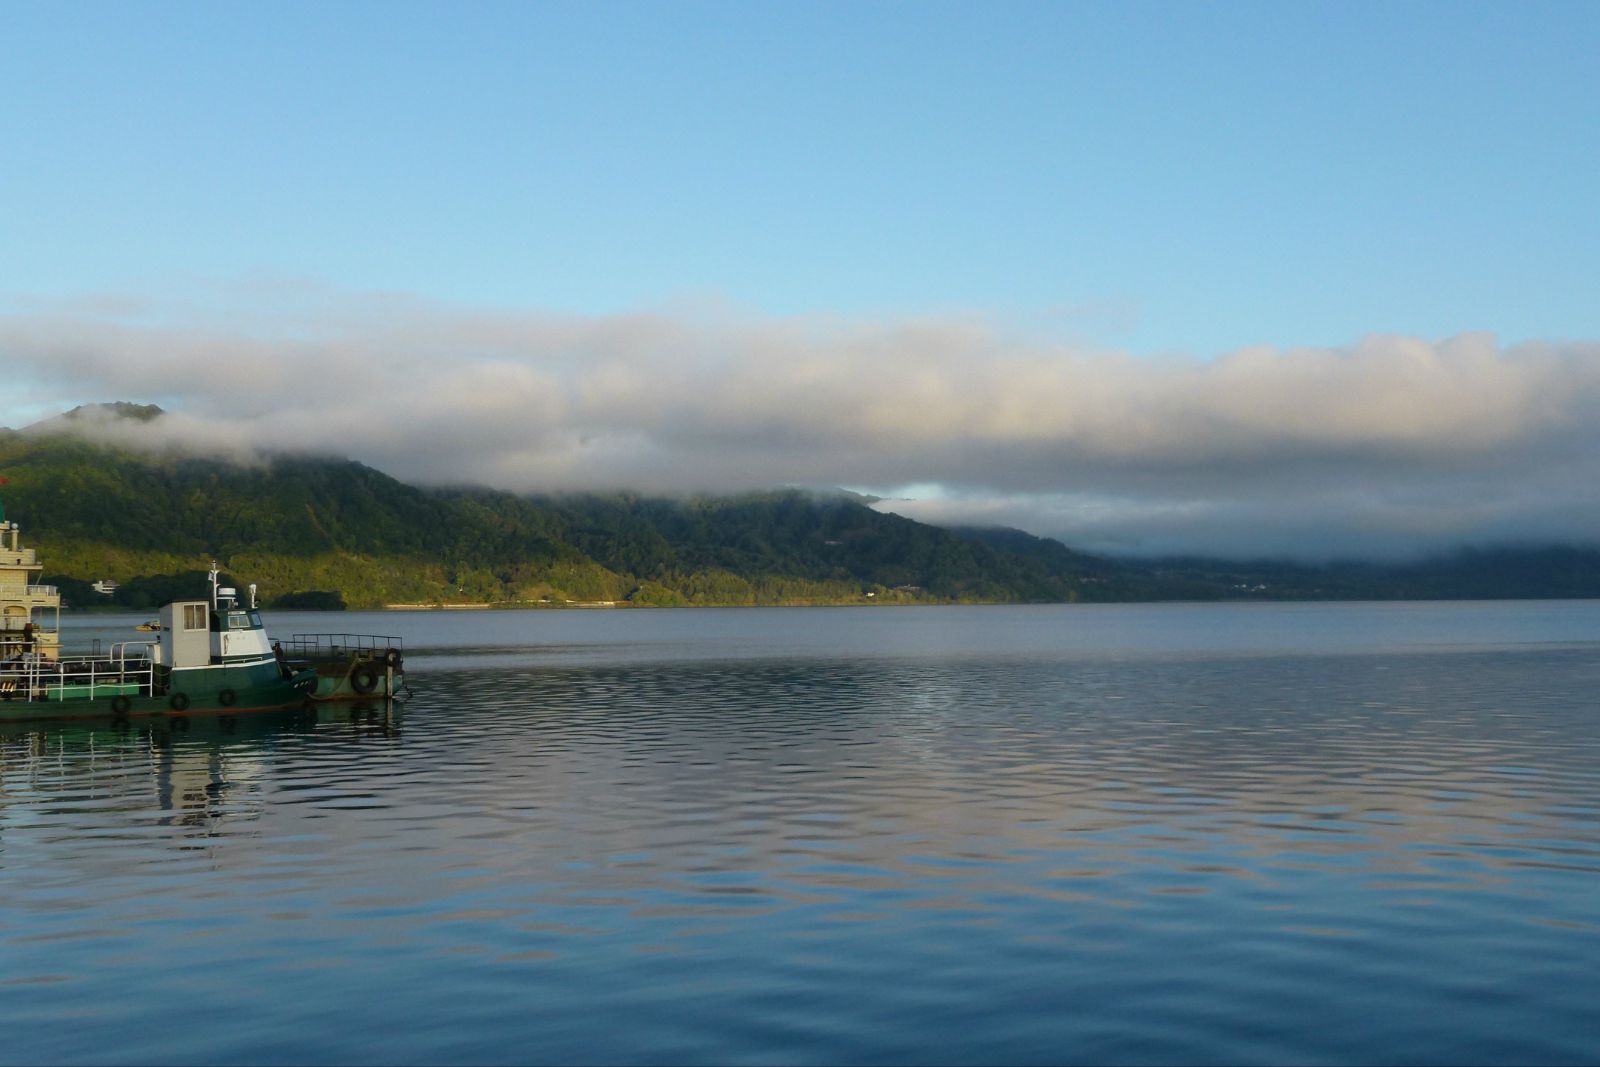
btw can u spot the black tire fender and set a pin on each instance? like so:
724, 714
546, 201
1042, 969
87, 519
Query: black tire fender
120, 704
227, 698
363, 679
178, 701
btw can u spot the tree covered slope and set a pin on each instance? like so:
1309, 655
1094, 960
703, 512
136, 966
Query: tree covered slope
348, 533
321, 532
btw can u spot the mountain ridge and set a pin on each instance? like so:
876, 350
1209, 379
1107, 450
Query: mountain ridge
329, 526
321, 531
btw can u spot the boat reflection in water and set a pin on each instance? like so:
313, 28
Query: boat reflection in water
201, 771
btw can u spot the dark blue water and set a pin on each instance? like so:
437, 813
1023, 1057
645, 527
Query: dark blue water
1152, 834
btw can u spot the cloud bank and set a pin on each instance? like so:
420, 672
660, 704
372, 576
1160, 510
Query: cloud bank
1389, 445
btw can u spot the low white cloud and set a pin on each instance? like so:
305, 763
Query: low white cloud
1391, 444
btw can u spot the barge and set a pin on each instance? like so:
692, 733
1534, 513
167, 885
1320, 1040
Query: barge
349, 666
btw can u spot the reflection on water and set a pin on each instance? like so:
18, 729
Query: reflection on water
993, 852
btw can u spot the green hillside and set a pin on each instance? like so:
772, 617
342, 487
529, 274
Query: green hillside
316, 532
325, 531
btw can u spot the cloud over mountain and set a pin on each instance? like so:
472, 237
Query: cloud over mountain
1387, 445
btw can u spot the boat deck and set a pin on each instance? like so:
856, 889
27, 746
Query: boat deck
78, 678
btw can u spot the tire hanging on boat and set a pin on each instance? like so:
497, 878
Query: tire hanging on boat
120, 705
226, 698
363, 679
178, 701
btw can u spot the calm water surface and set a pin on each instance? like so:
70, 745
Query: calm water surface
1145, 834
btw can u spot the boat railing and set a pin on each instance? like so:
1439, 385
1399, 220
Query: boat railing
140, 652
313, 645
37, 678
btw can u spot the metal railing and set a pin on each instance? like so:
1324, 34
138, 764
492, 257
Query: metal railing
130, 665
43, 590
313, 645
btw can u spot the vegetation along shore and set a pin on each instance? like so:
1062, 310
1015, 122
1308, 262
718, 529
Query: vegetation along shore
333, 533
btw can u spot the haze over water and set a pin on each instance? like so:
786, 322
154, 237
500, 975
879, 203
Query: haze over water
1155, 833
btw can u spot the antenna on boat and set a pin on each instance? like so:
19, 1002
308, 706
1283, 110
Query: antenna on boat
213, 576
16, 531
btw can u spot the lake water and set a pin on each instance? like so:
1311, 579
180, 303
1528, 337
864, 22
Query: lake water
1108, 834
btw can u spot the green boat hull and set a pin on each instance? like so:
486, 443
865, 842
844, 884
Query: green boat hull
342, 682
217, 689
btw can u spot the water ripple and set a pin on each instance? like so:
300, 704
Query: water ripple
996, 857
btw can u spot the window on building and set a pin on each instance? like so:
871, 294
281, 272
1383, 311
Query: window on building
194, 616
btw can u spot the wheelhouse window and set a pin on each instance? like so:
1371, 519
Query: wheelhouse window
255, 620
194, 616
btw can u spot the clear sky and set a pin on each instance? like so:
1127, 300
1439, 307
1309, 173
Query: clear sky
1142, 181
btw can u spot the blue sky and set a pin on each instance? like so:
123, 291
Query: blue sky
1156, 177
1139, 180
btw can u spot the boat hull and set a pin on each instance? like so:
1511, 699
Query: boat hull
356, 681
227, 689
350, 666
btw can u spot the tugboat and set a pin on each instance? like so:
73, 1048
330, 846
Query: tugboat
212, 656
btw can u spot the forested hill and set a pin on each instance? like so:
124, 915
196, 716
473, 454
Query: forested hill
327, 532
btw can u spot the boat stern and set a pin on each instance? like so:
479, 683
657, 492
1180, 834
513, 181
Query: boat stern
350, 666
